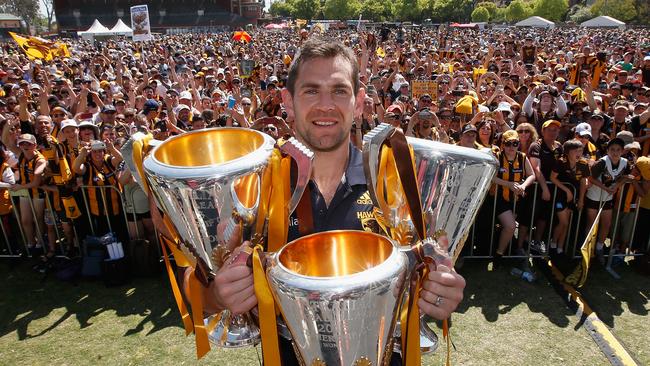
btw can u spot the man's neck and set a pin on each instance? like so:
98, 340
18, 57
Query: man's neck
328, 169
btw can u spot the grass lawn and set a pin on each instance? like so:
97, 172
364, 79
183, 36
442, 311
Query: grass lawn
503, 321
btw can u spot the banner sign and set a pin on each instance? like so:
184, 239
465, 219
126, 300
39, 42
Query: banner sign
421, 87
140, 23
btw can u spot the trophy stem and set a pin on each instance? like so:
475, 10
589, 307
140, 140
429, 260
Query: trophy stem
232, 331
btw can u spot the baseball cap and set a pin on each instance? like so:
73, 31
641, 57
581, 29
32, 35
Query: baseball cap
647, 58
97, 145
583, 129
626, 136
172, 91
150, 105
26, 137
181, 107
469, 128
551, 122
108, 108
616, 141
633, 145
622, 105
68, 123
185, 95
504, 107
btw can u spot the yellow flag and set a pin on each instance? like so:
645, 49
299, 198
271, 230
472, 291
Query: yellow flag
579, 275
33, 48
381, 52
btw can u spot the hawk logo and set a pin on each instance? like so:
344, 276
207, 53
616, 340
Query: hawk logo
364, 199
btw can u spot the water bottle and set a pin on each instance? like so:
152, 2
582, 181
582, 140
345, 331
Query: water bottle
523, 274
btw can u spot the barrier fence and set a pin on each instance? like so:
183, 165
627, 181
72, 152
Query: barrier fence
15, 241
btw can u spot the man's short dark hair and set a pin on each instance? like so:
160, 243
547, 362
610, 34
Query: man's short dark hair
323, 48
572, 144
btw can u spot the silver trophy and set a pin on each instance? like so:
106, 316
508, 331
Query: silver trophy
340, 292
214, 186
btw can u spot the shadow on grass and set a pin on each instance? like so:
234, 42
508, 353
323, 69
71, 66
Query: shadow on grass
25, 297
606, 295
498, 292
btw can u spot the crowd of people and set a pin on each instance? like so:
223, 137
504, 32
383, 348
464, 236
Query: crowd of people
565, 111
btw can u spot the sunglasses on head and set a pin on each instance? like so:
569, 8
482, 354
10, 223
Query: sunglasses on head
58, 115
513, 143
523, 131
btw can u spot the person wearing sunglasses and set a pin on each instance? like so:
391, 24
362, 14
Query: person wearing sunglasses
527, 135
514, 176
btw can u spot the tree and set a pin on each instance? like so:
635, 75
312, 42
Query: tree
306, 9
407, 10
517, 10
376, 10
551, 9
452, 10
26, 9
624, 10
480, 14
341, 9
48, 5
489, 6
282, 8
581, 14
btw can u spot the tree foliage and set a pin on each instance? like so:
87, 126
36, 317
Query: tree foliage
554, 10
306, 9
282, 8
407, 10
452, 10
580, 14
341, 9
25, 9
517, 10
489, 6
624, 10
480, 14
376, 10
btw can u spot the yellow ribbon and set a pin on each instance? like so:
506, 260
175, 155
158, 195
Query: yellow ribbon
445, 334
266, 306
182, 308
196, 299
278, 210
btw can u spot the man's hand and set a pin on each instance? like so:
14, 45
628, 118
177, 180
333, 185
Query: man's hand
232, 286
441, 293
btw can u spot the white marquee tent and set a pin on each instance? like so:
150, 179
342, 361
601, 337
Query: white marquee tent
121, 29
97, 29
603, 21
537, 22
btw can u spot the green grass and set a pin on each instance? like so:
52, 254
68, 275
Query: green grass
502, 321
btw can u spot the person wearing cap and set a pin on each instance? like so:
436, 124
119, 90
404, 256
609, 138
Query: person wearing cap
514, 176
97, 165
589, 151
393, 115
107, 115
621, 120
608, 175
198, 123
425, 125
571, 169
31, 166
150, 111
468, 136
58, 114
543, 155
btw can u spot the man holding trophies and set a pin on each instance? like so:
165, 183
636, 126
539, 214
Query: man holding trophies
324, 96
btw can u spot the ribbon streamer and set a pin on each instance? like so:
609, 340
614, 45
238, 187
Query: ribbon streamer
267, 314
180, 304
196, 299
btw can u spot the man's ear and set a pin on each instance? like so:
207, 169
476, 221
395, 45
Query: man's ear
287, 100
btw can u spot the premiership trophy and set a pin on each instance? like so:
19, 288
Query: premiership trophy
217, 187
341, 293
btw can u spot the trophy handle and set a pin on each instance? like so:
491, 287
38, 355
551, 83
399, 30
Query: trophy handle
385, 134
303, 158
247, 214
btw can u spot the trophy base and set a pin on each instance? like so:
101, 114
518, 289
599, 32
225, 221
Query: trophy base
232, 331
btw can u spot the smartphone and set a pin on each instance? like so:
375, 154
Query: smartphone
371, 90
231, 103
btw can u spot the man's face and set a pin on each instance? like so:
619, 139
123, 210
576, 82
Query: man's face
70, 133
468, 139
86, 134
108, 117
620, 114
551, 132
324, 103
184, 115
43, 126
